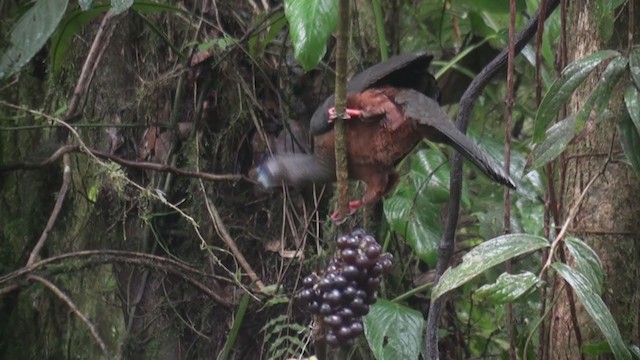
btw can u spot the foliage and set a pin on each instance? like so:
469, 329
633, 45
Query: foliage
414, 211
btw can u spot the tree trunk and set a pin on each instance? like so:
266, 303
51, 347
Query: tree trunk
607, 219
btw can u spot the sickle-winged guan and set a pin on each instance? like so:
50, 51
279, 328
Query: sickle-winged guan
391, 108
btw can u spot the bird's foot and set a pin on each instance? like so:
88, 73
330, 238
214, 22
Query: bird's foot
353, 206
349, 113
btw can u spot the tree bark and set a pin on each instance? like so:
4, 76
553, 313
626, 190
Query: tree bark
608, 216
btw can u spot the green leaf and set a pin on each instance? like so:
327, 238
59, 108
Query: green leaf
485, 256
630, 139
596, 308
632, 100
120, 6
85, 4
572, 76
311, 23
634, 65
30, 34
587, 262
492, 6
599, 98
507, 288
430, 175
417, 221
635, 350
596, 349
605, 18
556, 141
257, 46
393, 331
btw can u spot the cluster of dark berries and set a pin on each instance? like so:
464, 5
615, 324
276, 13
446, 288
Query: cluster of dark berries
348, 286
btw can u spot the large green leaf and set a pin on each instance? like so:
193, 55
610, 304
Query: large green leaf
492, 6
634, 65
587, 262
485, 256
417, 221
85, 4
599, 97
556, 141
120, 6
393, 331
430, 175
572, 76
507, 288
630, 139
311, 23
596, 308
632, 100
30, 34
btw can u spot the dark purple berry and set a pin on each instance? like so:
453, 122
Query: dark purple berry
370, 299
334, 297
333, 320
325, 309
332, 339
346, 313
342, 242
349, 255
375, 270
351, 272
356, 329
309, 281
363, 262
368, 239
325, 284
349, 293
373, 283
314, 307
359, 307
373, 251
353, 242
386, 265
340, 282
307, 295
344, 332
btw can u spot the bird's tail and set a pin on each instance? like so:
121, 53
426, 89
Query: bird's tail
294, 169
479, 157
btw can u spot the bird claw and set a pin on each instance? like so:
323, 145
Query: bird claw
348, 114
353, 207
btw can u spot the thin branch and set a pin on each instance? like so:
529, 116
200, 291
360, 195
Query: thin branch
62, 194
507, 161
342, 48
446, 247
163, 168
65, 299
100, 42
97, 257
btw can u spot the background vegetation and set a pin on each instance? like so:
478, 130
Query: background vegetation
131, 226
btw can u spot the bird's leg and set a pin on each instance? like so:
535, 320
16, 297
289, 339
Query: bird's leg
348, 112
353, 206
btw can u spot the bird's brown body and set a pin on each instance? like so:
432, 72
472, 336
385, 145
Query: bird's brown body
387, 123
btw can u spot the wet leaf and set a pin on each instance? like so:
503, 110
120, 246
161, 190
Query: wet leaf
507, 288
30, 34
572, 76
120, 6
486, 256
632, 100
587, 262
630, 139
634, 65
393, 331
556, 141
596, 308
311, 23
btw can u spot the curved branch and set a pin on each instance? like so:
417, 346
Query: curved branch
445, 250
118, 160
98, 257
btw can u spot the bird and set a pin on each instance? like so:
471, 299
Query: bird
385, 121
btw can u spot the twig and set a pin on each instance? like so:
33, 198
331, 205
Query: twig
65, 299
62, 194
507, 162
118, 160
100, 42
342, 48
97, 257
446, 247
